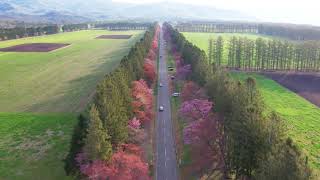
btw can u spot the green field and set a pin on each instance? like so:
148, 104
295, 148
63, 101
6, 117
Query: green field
302, 117
62, 80
34, 146
41, 95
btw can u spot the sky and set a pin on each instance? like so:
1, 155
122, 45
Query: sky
292, 11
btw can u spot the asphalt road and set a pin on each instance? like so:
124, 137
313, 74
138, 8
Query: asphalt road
166, 164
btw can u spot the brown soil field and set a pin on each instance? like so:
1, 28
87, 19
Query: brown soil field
114, 37
34, 47
306, 85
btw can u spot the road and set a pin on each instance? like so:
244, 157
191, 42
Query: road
166, 164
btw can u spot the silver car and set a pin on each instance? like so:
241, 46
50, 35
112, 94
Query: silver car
161, 108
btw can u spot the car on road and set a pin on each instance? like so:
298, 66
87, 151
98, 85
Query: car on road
160, 56
161, 108
172, 77
160, 84
176, 94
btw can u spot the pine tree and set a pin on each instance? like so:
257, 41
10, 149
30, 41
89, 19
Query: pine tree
97, 143
210, 51
219, 50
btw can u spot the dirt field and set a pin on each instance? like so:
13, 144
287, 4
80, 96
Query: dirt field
34, 47
306, 85
114, 37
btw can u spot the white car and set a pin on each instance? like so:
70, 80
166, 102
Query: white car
161, 108
160, 84
176, 94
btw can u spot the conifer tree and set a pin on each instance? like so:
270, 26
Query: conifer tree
97, 143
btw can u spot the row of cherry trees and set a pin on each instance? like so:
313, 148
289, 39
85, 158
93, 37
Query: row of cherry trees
232, 138
202, 131
107, 142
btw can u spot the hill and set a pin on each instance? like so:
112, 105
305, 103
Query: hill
59, 11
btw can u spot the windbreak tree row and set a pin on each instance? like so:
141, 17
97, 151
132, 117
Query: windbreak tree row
20, 32
123, 26
264, 54
288, 31
108, 140
232, 135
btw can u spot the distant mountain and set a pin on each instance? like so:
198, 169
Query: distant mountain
63, 11
179, 11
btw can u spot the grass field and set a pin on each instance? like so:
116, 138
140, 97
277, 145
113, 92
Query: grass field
41, 95
34, 146
302, 117
61, 80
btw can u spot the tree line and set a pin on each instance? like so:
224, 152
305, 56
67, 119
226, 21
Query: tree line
123, 26
217, 27
289, 31
264, 54
106, 141
21, 31
245, 141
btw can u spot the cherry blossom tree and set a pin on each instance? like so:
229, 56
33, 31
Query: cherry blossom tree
149, 71
183, 71
126, 164
152, 55
136, 136
191, 90
142, 101
134, 123
206, 139
195, 109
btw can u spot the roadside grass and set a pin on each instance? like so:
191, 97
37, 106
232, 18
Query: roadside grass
62, 80
32, 147
302, 117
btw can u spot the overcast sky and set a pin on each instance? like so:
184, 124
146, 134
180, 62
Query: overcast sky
293, 11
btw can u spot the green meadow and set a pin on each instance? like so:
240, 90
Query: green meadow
41, 95
34, 146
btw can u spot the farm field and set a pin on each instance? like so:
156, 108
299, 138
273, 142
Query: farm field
61, 80
41, 94
302, 117
305, 84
